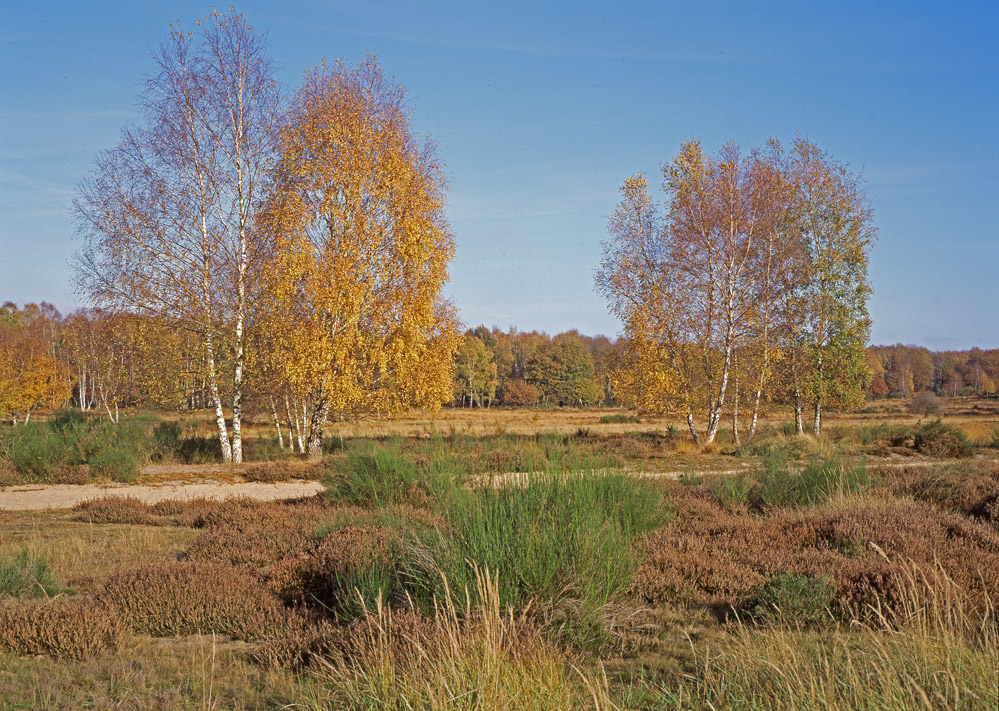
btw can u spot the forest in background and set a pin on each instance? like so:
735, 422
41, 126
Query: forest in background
97, 361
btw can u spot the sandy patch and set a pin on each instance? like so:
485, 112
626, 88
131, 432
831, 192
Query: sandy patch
66, 496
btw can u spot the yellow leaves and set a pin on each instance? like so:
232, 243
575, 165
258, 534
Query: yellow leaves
359, 250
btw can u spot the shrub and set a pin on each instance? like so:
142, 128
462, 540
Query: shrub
780, 484
378, 477
554, 541
63, 628
265, 449
731, 492
348, 571
116, 509
620, 418
24, 574
926, 403
115, 464
193, 598
792, 599
167, 443
939, 440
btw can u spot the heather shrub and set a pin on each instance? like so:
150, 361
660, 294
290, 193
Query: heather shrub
180, 598
63, 628
351, 569
24, 574
116, 509
718, 559
968, 488
792, 599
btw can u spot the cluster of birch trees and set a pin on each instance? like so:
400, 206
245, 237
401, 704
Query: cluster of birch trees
746, 283
302, 243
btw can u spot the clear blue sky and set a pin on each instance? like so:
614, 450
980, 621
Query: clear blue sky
541, 109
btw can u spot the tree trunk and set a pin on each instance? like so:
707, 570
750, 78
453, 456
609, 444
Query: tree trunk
818, 419
277, 423
217, 401
735, 410
318, 419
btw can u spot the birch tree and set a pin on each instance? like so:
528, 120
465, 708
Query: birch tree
835, 233
352, 313
166, 214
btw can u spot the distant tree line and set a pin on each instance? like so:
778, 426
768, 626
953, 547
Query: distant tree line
106, 362
902, 371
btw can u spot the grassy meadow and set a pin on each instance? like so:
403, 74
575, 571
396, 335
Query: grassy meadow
858, 570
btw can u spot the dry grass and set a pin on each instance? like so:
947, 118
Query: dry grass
928, 652
473, 658
83, 553
171, 674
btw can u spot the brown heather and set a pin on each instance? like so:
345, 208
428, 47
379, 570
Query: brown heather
117, 509
971, 489
708, 556
257, 535
62, 627
180, 598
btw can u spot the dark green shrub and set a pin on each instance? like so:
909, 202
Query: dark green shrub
36, 450
200, 450
555, 540
620, 418
939, 440
378, 477
26, 575
264, 449
166, 442
792, 599
731, 492
780, 484
114, 464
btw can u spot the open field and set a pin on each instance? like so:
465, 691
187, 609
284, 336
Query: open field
857, 570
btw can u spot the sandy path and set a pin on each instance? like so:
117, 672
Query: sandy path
34, 497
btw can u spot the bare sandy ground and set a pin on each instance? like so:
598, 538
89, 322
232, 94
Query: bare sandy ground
35, 497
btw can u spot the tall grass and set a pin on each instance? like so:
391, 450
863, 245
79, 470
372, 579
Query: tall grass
930, 653
463, 656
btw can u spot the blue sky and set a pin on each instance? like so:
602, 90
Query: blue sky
541, 109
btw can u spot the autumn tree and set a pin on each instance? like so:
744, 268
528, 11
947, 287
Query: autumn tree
474, 373
834, 232
562, 371
753, 266
358, 251
31, 374
166, 215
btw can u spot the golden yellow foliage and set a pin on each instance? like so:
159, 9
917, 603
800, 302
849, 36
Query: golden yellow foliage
352, 318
